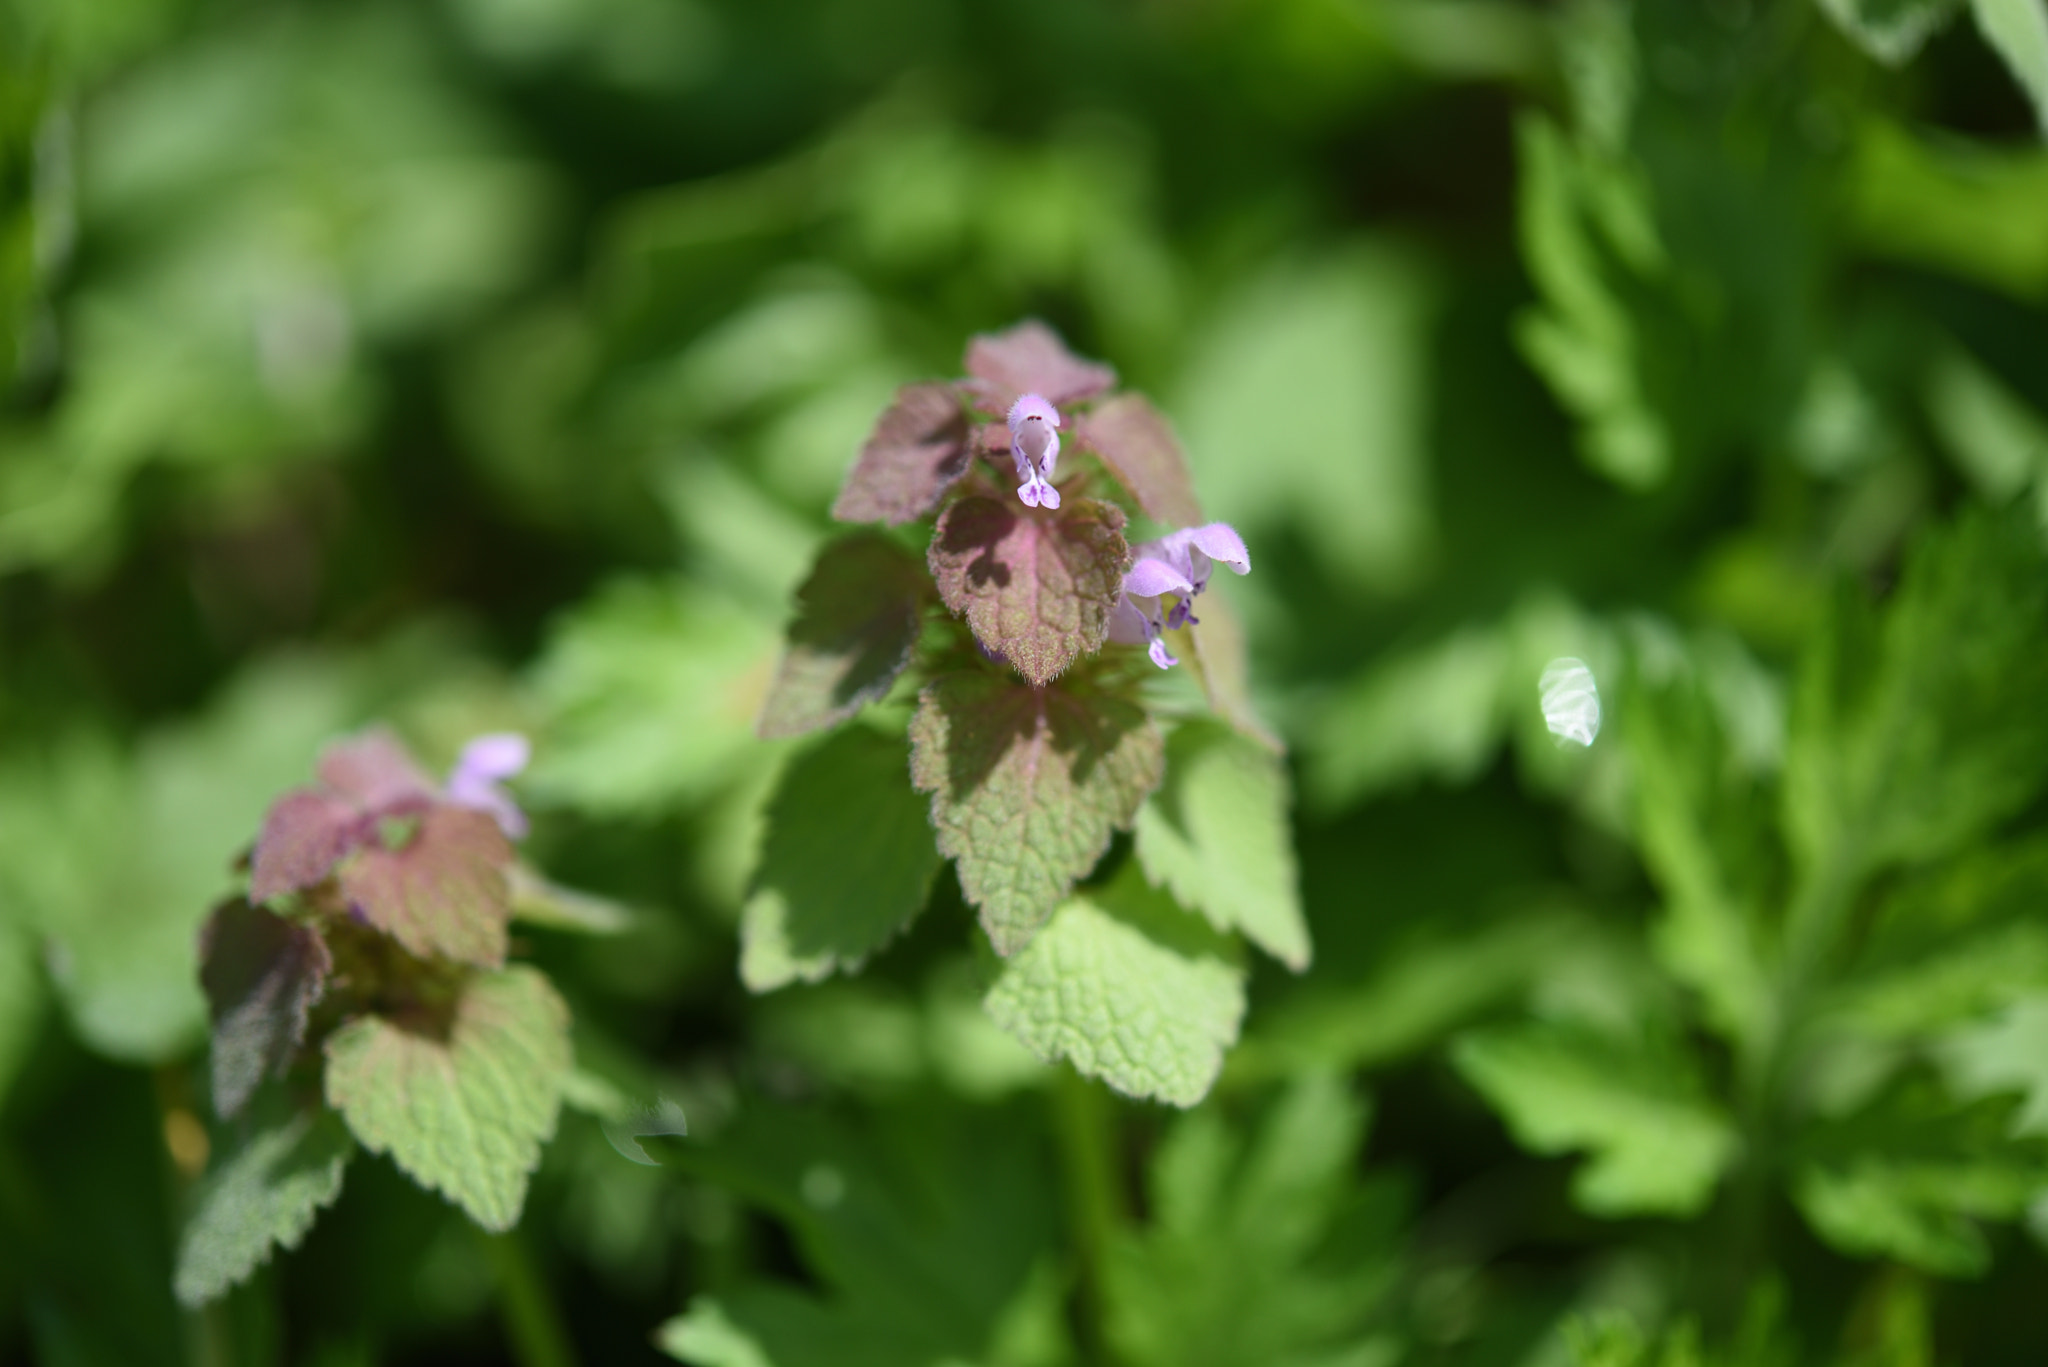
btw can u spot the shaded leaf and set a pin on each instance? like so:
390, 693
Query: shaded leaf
1027, 787
1262, 1247
847, 862
1133, 439
2018, 30
263, 1194
262, 974
444, 892
856, 621
1030, 358
1658, 1145
1215, 833
304, 833
1890, 30
1143, 997
1037, 586
919, 448
1437, 711
461, 1104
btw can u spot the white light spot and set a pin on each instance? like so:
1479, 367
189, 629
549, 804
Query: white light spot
1571, 700
823, 1186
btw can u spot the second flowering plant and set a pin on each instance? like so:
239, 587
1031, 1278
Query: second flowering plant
1004, 502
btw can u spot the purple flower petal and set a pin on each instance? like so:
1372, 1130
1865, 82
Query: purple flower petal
1150, 577
474, 783
1221, 543
1157, 650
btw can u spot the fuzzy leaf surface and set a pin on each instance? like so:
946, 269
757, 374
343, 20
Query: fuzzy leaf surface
1658, 1144
263, 1195
919, 447
262, 974
373, 770
303, 834
1133, 439
847, 862
444, 893
856, 621
1030, 358
1216, 834
1027, 786
461, 1104
1142, 996
1037, 586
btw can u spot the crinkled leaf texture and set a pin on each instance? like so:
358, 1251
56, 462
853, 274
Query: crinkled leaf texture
303, 834
848, 860
857, 619
1030, 358
921, 1240
1658, 1144
1216, 834
1262, 1247
920, 446
1028, 785
1128, 988
1133, 439
461, 1104
262, 974
443, 893
264, 1194
1037, 585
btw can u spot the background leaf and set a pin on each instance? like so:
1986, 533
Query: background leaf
262, 1196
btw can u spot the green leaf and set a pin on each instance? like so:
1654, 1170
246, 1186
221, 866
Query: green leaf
1142, 996
847, 862
1890, 30
1968, 208
21, 1002
1657, 1144
920, 446
1221, 660
706, 1336
1216, 834
2000, 443
1036, 585
1134, 440
1701, 826
263, 1194
462, 1100
651, 690
1913, 1177
1028, 785
856, 621
2018, 29
1436, 712
2005, 1055
919, 1237
1261, 1247
444, 892
1912, 737
262, 974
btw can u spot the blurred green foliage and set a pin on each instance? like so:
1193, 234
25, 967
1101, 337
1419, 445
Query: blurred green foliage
492, 364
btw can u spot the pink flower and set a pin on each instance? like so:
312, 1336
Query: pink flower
1180, 564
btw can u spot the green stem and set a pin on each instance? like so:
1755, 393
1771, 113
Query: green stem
531, 1319
1086, 1131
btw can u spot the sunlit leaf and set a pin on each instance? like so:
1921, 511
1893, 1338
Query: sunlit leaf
919, 448
443, 891
1133, 439
1030, 358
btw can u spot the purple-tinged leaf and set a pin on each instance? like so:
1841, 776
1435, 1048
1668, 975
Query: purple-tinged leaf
303, 834
462, 1103
1030, 358
261, 974
444, 894
1028, 785
373, 770
919, 447
857, 619
1037, 585
1133, 439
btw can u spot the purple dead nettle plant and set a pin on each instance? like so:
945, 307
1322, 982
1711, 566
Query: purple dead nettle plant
361, 994
1032, 728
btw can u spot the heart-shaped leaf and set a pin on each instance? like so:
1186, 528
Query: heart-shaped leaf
919, 447
856, 620
1037, 585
